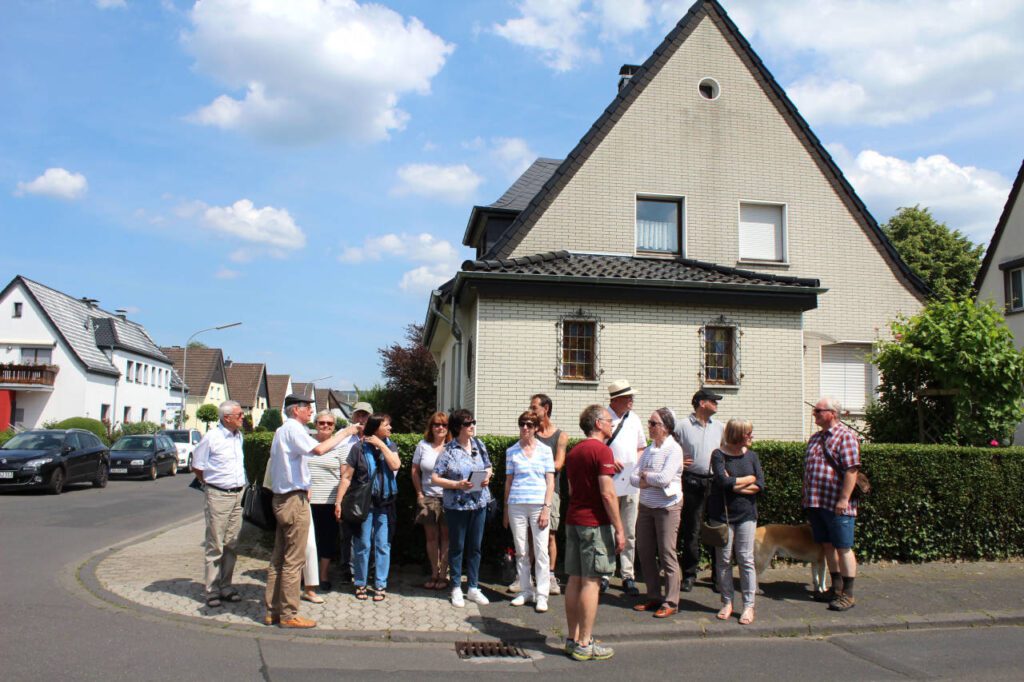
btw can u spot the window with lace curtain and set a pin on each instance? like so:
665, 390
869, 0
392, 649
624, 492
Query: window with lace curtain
659, 226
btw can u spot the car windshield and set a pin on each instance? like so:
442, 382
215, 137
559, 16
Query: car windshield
177, 436
35, 441
134, 443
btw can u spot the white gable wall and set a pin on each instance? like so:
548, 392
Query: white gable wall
1010, 247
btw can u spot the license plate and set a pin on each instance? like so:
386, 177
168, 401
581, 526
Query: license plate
119, 471
6, 474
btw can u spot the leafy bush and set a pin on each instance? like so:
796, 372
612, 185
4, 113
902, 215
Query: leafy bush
6, 435
930, 502
271, 420
92, 425
207, 413
139, 428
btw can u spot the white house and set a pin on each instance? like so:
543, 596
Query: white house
699, 234
65, 357
1001, 277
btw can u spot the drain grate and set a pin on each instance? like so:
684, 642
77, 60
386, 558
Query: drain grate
489, 650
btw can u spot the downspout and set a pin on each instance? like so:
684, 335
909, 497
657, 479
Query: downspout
457, 333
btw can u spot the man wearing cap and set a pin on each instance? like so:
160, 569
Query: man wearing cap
289, 478
627, 444
361, 411
699, 434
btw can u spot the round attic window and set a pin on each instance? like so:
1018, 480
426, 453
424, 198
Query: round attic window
709, 89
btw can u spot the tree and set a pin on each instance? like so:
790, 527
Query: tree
207, 414
197, 344
953, 368
945, 259
271, 420
410, 372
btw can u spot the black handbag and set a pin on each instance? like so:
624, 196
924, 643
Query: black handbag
355, 506
713, 533
257, 508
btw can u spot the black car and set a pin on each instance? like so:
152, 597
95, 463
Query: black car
147, 456
53, 458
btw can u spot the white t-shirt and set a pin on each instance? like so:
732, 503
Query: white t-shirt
425, 456
289, 469
627, 446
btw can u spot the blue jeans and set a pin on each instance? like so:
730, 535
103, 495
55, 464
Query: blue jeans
373, 532
465, 534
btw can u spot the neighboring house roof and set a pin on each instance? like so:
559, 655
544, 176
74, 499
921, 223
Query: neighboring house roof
277, 388
87, 330
1000, 227
504, 245
322, 396
306, 390
176, 383
205, 366
244, 381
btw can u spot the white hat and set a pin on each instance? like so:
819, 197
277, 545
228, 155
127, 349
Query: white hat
617, 389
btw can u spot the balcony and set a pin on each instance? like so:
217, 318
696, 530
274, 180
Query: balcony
28, 377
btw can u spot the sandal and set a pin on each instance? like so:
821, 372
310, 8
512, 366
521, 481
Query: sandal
361, 593
312, 597
379, 595
234, 597
213, 602
747, 617
431, 584
725, 612
441, 584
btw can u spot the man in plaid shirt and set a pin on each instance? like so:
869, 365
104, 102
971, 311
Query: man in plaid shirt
827, 500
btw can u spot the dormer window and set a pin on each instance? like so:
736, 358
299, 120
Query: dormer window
16, 312
659, 226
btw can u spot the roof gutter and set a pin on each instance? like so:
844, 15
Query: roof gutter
453, 323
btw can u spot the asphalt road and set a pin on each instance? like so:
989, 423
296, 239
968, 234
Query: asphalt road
51, 629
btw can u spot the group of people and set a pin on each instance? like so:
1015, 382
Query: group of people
631, 494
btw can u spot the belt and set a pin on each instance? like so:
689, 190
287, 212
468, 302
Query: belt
226, 490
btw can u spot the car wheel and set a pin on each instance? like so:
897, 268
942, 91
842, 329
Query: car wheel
174, 468
57, 479
102, 476
152, 471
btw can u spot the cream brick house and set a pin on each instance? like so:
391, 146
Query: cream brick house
1001, 276
698, 234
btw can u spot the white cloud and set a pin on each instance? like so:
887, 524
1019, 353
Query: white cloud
448, 183
439, 258
267, 226
108, 4
964, 197
226, 273
57, 183
621, 17
554, 27
882, 62
311, 69
512, 155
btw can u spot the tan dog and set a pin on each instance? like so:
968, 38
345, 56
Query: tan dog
791, 542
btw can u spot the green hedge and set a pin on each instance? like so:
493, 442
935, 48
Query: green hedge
93, 425
6, 435
929, 502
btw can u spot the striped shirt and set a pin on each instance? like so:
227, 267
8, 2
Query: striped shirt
664, 469
325, 473
528, 475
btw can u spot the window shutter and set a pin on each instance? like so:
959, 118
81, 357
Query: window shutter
761, 232
847, 375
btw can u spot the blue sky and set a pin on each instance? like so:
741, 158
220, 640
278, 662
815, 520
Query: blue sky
307, 167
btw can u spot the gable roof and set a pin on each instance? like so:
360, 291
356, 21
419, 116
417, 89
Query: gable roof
277, 388
515, 199
322, 398
1004, 218
87, 329
205, 365
244, 381
305, 389
638, 82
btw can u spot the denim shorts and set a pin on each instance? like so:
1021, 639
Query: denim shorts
827, 527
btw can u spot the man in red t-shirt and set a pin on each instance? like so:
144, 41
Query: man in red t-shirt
591, 544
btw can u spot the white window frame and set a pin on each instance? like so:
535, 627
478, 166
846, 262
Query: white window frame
680, 200
784, 246
578, 315
1019, 272
737, 367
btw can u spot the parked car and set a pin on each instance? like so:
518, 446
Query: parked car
146, 456
185, 440
53, 458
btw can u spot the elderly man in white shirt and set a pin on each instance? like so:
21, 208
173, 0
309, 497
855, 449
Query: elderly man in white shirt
628, 443
290, 481
218, 463
699, 434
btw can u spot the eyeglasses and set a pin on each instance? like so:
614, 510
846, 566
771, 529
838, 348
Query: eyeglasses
603, 419
819, 410
443, 426
527, 425
469, 423
325, 423
235, 415
652, 423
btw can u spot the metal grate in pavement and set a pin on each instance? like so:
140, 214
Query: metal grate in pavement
489, 650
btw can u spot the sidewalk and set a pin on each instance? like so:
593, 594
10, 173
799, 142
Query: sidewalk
162, 573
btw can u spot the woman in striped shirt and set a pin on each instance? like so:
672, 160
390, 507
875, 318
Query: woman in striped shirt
659, 475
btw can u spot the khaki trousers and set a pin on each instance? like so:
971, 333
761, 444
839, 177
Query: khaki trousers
223, 524
656, 533
284, 575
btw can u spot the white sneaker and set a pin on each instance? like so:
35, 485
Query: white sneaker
457, 600
522, 599
514, 588
542, 605
474, 594
554, 587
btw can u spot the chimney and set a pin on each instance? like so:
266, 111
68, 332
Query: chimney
626, 73
122, 314
91, 302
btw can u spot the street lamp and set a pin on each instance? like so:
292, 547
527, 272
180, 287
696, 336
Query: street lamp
184, 362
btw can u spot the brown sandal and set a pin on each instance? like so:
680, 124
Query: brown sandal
361, 593
379, 595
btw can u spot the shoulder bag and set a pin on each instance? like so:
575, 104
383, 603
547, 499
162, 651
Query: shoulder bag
257, 508
355, 506
713, 533
618, 428
863, 485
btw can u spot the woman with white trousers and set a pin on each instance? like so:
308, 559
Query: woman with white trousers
529, 487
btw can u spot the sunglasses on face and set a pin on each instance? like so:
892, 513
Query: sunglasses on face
468, 424
325, 423
527, 425
436, 426
653, 423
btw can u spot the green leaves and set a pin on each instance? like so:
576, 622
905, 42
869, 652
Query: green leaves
945, 259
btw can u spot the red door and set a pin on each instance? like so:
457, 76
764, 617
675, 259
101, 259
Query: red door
6, 409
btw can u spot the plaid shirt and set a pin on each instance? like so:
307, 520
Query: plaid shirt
822, 483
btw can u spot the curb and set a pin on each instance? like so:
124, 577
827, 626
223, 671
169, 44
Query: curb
82, 576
